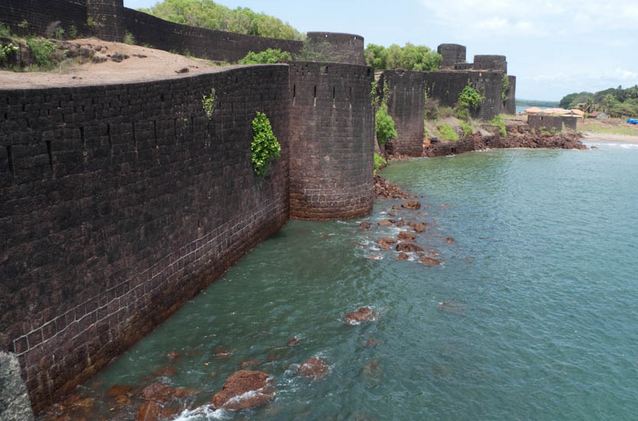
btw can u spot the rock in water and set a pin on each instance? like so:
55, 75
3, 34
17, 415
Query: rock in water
245, 390
408, 247
411, 204
149, 411
363, 314
429, 261
14, 401
418, 227
403, 256
315, 368
365, 225
386, 243
407, 236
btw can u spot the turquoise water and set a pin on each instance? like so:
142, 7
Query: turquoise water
540, 319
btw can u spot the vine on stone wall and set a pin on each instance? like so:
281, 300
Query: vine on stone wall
209, 102
265, 147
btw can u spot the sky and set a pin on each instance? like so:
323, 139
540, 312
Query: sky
554, 47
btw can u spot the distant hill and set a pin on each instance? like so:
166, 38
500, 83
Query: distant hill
210, 15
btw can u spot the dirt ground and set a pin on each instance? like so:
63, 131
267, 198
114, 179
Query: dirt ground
142, 64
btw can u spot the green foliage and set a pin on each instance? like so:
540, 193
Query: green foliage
209, 102
431, 109
447, 133
379, 162
385, 127
617, 102
499, 122
58, 33
269, 56
467, 128
505, 88
208, 14
24, 24
446, 112
318, 51
129, 38
265, 147
73, 32
6, 51
408, 57
470, 99
462, 113
5, 32
91, 23
42, 50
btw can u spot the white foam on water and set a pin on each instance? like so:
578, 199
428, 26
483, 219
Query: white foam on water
206, 412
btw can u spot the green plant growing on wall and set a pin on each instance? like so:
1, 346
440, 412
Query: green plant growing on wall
24, 24
5, 32
269, 56
42, 50
379, 162
505, 88
384, 124
91, 23
470, 99
499, 122
58, 33
129, 38
73, 32
447, 133
6, 51
265, 147
209, 101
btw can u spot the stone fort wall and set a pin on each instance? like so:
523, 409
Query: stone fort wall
406, 103
121, 202
331, 141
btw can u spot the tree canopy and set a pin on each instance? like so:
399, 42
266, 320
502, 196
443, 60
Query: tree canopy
408, 57
617, 102
208, 14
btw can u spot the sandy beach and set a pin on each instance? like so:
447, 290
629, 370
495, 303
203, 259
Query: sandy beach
610, 138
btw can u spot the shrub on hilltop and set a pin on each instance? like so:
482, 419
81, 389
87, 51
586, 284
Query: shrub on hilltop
210, 15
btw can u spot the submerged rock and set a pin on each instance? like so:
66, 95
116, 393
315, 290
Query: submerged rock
451, 307
173, 355
245, 390
167, 371
314, 367
365, 225
294, 341
408, 247
363, 314
406, 236
403, 256
149, 411
222, 352
385, 223
429, 261
386, 243
419, 227
450, 240
158, 392
411, 204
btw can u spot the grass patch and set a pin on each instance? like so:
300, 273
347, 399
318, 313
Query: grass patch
447, 133
616, 127
499, 122
379, 162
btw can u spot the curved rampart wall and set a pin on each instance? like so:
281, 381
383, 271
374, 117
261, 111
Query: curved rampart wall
331, 141
121, 202
336, 48
406, 104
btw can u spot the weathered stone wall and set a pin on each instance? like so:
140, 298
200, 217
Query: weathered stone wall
14, 401
551, 122
337, 48
121, 202
106, 17
452, 55
446, 86
509, 107
35, 16
200, 42
331, 141
490, 62
406, 106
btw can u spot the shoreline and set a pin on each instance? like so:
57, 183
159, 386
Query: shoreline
609, 138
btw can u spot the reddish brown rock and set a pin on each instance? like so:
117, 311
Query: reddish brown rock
407, 236
149, 411
365, 225
158, 392
385, 223
363, 314
165, 372
122, 400
411, 204
429, 261
386, 243
408, 247
314, 367
418, 226
118, 390
245, 390
371, 343
249, 364
387, 190
403, 256
294, 341
173, 355
450, 240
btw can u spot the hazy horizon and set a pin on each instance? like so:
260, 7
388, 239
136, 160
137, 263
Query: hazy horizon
553, 47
